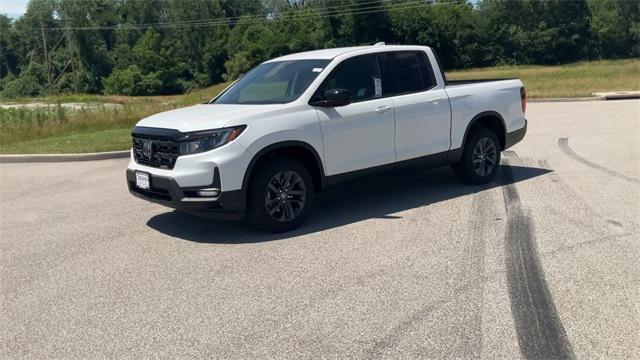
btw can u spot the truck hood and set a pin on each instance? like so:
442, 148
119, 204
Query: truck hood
206, 116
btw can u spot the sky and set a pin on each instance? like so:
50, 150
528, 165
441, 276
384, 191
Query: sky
13, 8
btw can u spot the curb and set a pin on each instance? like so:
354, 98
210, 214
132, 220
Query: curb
618, 95
552, 100
599, 96
35, 158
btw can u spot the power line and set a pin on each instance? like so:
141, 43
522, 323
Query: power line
225, 20
221, 21
319, 14
323, 13
141, 25
385, 8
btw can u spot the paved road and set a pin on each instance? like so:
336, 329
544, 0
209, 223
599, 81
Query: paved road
541, 263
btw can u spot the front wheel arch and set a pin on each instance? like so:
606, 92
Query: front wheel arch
297, 150
261, 194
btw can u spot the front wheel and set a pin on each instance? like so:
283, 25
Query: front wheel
281, 195
480, 159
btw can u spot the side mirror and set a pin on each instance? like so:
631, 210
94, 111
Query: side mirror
334, 98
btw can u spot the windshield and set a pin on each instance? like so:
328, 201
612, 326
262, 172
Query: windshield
275, 82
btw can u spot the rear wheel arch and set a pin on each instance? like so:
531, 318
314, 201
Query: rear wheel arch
490, 120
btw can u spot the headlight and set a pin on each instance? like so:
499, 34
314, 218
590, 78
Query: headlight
201, 141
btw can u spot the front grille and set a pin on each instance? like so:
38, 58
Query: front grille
163, 154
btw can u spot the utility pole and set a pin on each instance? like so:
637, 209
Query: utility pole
46, 58
73, 66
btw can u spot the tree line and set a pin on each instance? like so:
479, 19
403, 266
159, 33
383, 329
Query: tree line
149, 47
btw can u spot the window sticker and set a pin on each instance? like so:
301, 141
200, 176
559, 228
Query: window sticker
377, 84
317, 70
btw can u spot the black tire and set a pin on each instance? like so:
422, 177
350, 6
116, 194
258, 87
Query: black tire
480, 158
281, 195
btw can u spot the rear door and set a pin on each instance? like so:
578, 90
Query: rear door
358, 135
422, 113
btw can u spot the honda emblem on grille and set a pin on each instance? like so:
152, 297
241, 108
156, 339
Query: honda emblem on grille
147, 148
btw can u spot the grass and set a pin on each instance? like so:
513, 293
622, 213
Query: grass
80, 142
571, 80
56, 129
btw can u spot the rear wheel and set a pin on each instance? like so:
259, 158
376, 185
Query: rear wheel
481, 157
281, 195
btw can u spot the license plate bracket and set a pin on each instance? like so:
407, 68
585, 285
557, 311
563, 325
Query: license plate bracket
143, 180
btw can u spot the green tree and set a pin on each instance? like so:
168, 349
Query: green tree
537, 31
615, 26
144, 47
249, 43
10, 55
451, 31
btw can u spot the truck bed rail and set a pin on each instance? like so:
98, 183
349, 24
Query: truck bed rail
473, 81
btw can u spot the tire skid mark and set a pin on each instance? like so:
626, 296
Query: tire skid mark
381, 347
563, 143
539, 328
474, 266
559, 182
595, 241
474, 279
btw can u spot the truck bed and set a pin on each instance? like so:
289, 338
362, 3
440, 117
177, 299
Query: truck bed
473, 81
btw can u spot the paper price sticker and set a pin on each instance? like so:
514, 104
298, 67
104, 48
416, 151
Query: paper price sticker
377, 84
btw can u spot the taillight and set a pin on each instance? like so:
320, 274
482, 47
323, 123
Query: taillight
523, 99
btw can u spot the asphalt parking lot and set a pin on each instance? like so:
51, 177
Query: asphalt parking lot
542, 263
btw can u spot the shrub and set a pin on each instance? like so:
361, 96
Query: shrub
131, 81
28, 83
123, 81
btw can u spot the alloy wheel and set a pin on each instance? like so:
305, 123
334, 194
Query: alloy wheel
485, 155
285, 195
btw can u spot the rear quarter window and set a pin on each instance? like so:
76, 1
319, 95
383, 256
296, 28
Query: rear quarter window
402, 73
426, 71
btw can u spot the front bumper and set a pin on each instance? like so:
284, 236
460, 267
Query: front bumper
165, 191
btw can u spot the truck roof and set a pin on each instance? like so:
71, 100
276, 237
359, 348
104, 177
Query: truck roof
332, 53
319, 54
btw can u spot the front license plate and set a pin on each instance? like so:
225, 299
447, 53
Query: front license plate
142, 180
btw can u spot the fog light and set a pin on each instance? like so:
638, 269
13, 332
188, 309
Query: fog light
208, 192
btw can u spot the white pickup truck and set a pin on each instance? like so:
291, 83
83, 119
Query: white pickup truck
297, 124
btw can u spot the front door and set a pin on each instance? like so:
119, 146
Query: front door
359, 135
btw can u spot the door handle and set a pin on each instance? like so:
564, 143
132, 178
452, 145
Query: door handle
435, 101
383, 109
